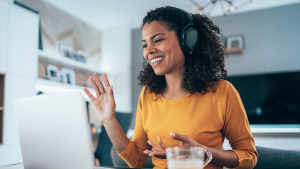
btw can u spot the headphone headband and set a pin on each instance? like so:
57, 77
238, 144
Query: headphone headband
188, 15
188, 36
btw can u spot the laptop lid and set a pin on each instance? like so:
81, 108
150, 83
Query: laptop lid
54, 132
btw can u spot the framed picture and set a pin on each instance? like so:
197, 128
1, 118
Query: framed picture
75, 56
82, 56
68, 76
52, 72
65, 51
234, 44
59, 76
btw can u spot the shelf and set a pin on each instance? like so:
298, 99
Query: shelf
235, 50
285, 128
48, 86
67, 63
1, 108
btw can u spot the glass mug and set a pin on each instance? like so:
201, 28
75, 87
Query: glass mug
187, 157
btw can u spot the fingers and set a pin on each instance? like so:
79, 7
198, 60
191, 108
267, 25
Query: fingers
111, 94
99, 83
94, 86
105, 80
88, 93
160, 154
148, 152
157, 154
157, 148
161, 143
183, 138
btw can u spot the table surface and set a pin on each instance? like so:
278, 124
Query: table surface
20, 166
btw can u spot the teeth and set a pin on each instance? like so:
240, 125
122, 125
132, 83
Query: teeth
157, 59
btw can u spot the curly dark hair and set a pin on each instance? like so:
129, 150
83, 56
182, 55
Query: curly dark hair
203, 68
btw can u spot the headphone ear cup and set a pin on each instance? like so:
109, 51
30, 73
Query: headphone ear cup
188, 40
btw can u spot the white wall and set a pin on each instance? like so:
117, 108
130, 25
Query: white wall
116, 60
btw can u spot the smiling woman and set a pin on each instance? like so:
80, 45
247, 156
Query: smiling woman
161, 49
200, 70
184, 102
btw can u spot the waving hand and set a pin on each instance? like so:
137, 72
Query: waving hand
104, 102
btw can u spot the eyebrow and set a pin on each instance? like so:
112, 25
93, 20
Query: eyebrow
152, 37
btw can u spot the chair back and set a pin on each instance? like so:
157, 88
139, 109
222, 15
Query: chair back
103, 150
269, 158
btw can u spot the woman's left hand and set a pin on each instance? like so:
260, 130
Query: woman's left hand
161, 151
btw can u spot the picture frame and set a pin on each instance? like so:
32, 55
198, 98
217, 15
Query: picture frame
52, 72
234, 44
59, 76
82, 56
68, 52
68, 76
75, 56
65, 51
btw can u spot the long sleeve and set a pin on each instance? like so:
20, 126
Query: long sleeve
205, 118
237, 130
134, 154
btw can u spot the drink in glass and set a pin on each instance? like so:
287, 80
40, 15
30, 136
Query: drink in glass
187, 157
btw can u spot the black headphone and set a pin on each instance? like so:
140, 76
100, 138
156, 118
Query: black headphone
189, 36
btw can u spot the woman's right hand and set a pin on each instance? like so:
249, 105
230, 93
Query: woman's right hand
104, 102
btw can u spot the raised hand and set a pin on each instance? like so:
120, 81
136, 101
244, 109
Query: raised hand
161, 151
104, 102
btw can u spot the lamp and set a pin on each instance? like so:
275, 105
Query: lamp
232, 7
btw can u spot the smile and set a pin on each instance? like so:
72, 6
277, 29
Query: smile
157, 59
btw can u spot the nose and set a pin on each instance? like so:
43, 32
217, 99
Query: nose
149, 50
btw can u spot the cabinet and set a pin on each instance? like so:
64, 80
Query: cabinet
3, 35
22, 42
18, 65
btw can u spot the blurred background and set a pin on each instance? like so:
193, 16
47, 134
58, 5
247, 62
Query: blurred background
50, 46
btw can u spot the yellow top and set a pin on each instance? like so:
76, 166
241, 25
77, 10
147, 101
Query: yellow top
207, 119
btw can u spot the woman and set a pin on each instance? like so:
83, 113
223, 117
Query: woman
184, 102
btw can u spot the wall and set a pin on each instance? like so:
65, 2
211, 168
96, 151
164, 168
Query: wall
271, 40
271, 45
116, 60
136, 61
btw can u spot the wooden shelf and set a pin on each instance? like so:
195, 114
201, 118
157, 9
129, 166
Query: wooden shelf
48, 86
67, 63
236, 50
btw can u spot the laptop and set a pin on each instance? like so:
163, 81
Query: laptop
54, 132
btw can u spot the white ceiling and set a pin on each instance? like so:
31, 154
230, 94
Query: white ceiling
104, 14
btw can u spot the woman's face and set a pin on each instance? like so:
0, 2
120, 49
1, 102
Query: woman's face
162, 49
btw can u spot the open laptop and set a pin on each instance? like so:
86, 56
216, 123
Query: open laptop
54, 132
